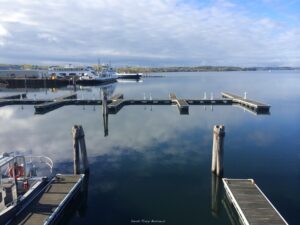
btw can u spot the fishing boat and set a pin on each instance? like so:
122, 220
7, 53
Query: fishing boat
135, 76
22, 178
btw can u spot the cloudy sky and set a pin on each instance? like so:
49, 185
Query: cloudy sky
151, 32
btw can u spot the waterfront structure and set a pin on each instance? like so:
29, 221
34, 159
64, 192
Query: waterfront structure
23, 73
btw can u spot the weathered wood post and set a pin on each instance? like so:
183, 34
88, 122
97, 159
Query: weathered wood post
83, 150
79, 142
76, 164
217, 150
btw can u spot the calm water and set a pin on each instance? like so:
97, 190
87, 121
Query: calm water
155, 163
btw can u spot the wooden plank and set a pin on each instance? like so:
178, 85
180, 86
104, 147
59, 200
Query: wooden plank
250, 202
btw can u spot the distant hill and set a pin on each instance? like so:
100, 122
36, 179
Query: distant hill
135, 69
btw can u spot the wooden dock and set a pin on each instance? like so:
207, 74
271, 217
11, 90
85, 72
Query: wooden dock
115, 106
49, 205
18, 96
252, 206
8, 100
182, 105
250, 104
54, 104
117, 102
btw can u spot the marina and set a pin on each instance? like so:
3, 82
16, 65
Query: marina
160, 160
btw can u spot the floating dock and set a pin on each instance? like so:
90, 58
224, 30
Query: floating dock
117, 102
48, 207
182, 105
18, 96
54, 104
254, 105
252, 206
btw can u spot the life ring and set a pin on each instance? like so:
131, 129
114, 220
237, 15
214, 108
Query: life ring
19, 171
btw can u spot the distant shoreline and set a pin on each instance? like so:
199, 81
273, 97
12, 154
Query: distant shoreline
137, 69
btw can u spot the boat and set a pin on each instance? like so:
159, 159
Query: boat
135, 76
105, 75
22, 178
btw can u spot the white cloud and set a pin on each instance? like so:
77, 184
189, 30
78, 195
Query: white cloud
3, 31
144, 32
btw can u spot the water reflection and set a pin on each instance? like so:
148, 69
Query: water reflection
157, 163
215, 194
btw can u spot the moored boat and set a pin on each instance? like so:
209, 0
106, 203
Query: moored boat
21, 180
104, 76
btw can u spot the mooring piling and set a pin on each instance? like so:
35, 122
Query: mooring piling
79, 142
217, 149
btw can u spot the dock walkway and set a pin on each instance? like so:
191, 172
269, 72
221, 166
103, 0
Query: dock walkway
254, 105
116, 103
252, 206
56, 103
49, 205
182, 105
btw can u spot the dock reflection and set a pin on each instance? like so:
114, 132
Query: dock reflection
230, 211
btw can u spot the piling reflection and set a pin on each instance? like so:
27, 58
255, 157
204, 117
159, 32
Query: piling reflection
215, 194
84, 196
105, 124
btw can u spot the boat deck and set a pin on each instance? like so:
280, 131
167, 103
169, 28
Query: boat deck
48, 206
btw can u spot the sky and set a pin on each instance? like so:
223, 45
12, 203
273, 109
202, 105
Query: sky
151, 32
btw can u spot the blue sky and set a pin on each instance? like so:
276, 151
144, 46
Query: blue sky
151, 33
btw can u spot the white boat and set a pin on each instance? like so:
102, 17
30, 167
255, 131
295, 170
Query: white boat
22, 178
106, 73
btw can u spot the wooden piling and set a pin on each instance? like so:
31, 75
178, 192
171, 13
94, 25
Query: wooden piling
217, 150
79, 142
76, 164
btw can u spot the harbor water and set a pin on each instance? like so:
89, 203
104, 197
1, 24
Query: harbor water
153, 165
